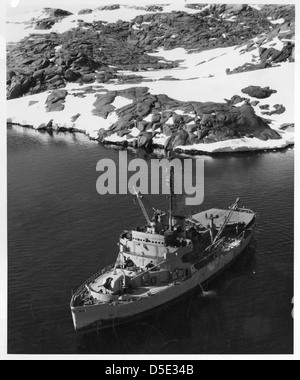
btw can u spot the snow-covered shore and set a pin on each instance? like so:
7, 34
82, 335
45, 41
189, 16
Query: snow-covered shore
200, 77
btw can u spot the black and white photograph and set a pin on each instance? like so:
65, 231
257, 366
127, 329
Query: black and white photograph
149, 158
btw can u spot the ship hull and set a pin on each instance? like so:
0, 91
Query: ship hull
97, 317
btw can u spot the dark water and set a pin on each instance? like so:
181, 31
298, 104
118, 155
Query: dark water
60, 232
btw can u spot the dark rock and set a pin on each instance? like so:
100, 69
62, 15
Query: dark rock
31, 103
72, 76
235, 100
156, 118
129, 79
19, 86
177, 119
268, 54
249, 67
166, 116
286, 54
249, 123
109, 7
130, 109
134, 93
10, 74
145, 140
123, 133
55, 79
125, 122
45, 24
102, 134
39, 74
103, 106
85, 11
61, 70
104, 99
105, 77
180, 139
142, 126
279, 11
15, 91
235, 9
168, 144
143, 109
192, 139
56, 107
139, 20
50, 72
55, 101
58, 12
88, 78
265, 107
104, 110
75, 117
190, 128
269, 134
154, 8
258, 92
42, 63
224, 134
279, 109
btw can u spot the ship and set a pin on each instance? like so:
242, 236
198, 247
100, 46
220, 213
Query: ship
161, 262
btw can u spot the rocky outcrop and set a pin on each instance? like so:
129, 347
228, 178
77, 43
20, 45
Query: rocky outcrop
86, 58
279, 109
85, 11
54, 15
82, 57
248, 67
19, 86
55, 101
145, 140
219, 121
57, 12
45, 24
258, 92
248, 123
277, 12
109, 7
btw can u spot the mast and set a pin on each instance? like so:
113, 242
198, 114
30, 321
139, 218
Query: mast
171, 198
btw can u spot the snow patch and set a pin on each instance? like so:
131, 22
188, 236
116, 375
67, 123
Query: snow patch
256, 6
135, 132
278, 22
120, 102
241, 145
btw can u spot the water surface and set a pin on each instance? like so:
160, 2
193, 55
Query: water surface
61, 231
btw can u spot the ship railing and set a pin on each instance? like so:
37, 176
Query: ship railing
245, 210
91, 279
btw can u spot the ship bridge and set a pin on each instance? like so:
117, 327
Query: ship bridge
143, 248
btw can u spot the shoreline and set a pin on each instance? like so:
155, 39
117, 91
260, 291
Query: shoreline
178, 151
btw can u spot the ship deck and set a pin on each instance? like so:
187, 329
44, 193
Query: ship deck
237, 217
139, 292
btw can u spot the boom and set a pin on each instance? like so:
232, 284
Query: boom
142, 207
232, 209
